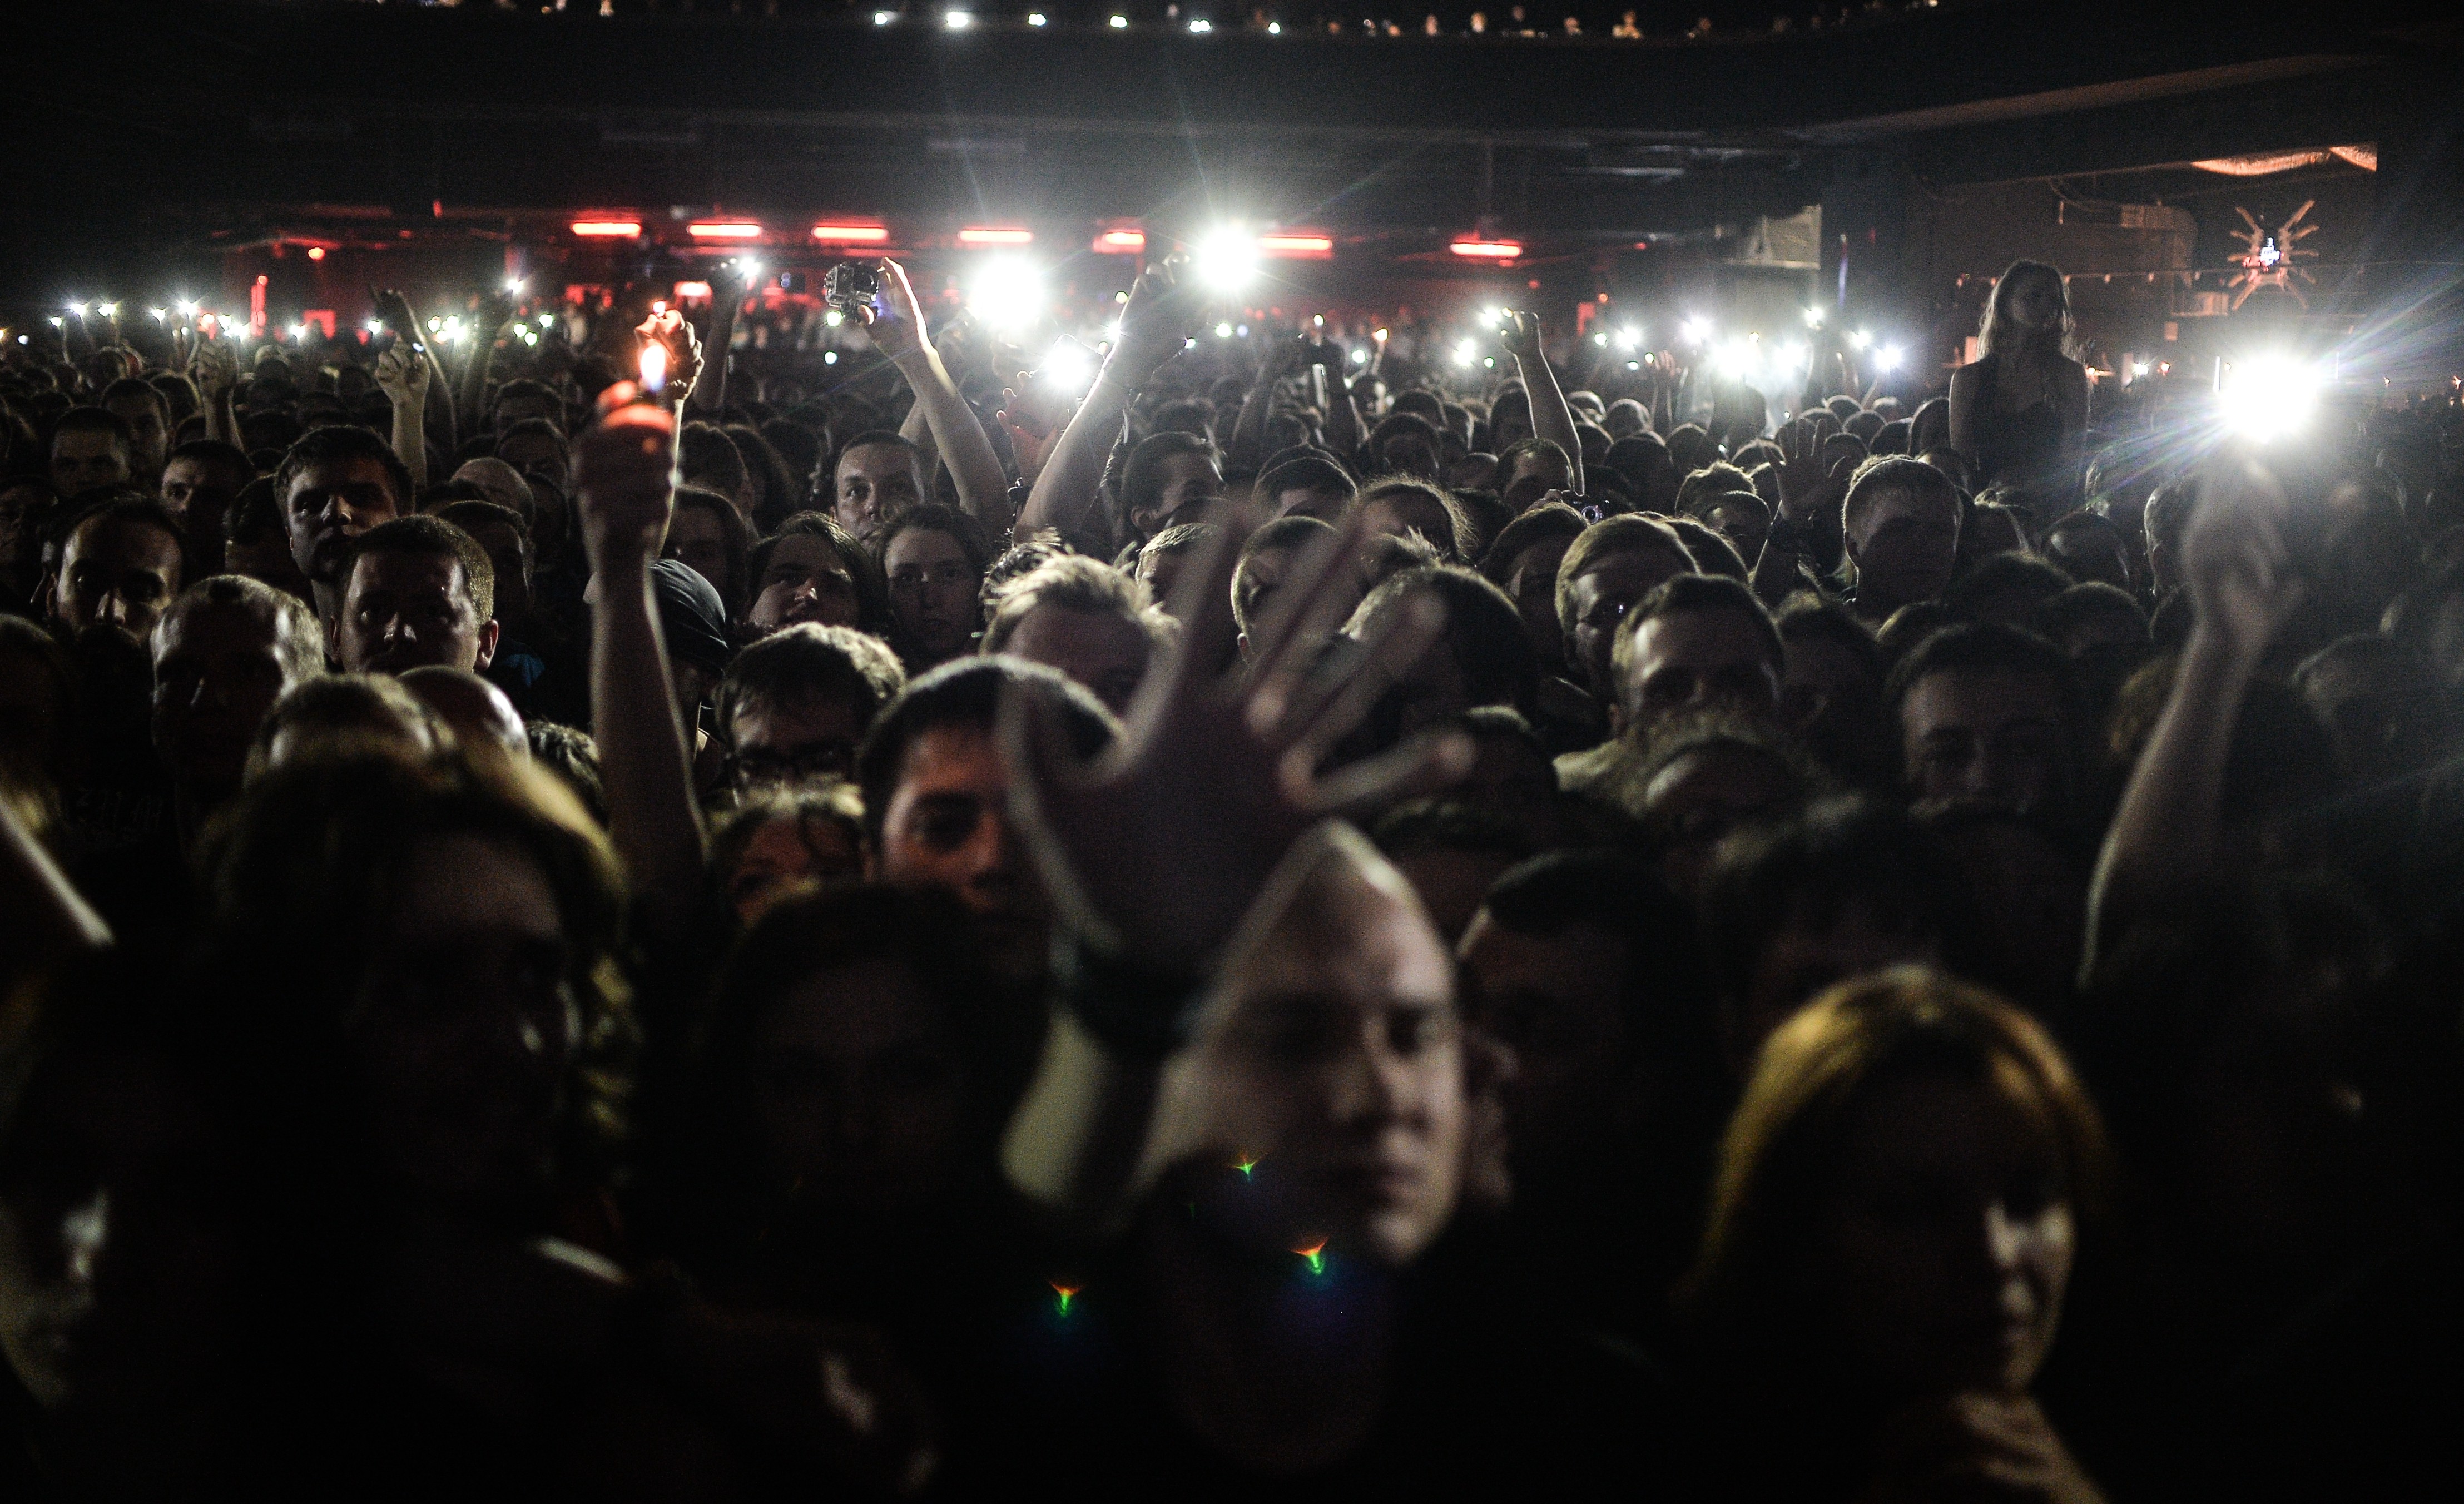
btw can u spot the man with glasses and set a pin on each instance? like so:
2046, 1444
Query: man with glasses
795, 706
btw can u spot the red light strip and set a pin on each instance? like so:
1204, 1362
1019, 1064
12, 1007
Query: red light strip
725, 230
850, 235
607, 229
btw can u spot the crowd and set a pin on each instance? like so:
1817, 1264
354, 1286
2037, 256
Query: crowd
630, 923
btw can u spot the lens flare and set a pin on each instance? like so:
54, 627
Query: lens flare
2268, 396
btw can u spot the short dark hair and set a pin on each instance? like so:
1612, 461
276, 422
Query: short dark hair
1895, 472
1978, 647
867, 440
1515, 451
528, 429
1484, 631
93, 420
339, 441
2081, 602
573, 758
138, 387
1808, 618
1294, 533
809, 659
1075, 582
1611, 535
430, 537
1684, 593
214, 452
935, 516
1663, 992
299, 640
1537, 524
524, 388
144, 511
968, 693
1143, 472
1306, 472
2036, 577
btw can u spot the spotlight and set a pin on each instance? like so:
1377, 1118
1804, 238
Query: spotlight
1465, 352
1119, 23
957, 21
107, 310
2269, 395
156, 314
1628, 339
1006, 294
2137, 368
1696, 330
1791, 355
77, 310
1890, 357
188, 307
1736, 357
514, 286
1228, 259
1860, 340
316, 252
375, 326
1035, 18
1599, 339
546, 321
884, 17
829, 358
1360, 358
833, 319
1274, 28
1201, 27
1222, 331
1068, 366
1814, 318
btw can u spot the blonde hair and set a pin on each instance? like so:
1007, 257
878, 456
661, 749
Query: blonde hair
2000, 332
1813, 1076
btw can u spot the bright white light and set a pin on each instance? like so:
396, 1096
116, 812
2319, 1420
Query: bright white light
1814, 318
299, 331
1360, 358
59, 323
1067, 367
1274, 28
1696, 330
107, 310
2269, 394
1633, 365
1890, 357
829, 358
884, 17
1119, 23
156, 314
1791, 355
514, 286
78, 310
376, 326
1465, 352
546, 321
1006, 292
1222, 331
1860, 340
188, 307
1736, 357
1228, 259
1628, 339
834, 318
1035, 18
958, 20
1600, 338
1201, 27
2139, 368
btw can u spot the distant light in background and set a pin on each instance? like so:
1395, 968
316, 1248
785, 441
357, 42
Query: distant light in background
1201, 27
1814, 318
107, 310
995, 235
1274, 28
689, 291
1119, 23
1222, 331
316, 252
514, 286
723, 229
1069, 367
1006, 294
1121, 242
1298, 246
833, 319
1695, 330
829, 358
1860, 340
607, 229
958, 20
850, 235
158, 314
1486, 250
1628, 339
1465, 352
2270, 396
1035, 18
884, 17
188, 307
376, 326
1359, 357
1890, 357
1228, 259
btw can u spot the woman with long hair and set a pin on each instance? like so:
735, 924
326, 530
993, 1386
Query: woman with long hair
1897, 1209
2017, 412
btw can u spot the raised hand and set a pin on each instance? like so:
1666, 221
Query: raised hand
2235, 560
1806, 486
214, 367
1033, 423
401, 375
669, 328
1980, 1446
1520, 338
1216, 762
623, 480
897, 325
1163, 311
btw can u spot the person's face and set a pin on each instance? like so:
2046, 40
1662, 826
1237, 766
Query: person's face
1536, 475
17, 540
199, 493
403, 611
1741, 525
218, 671
859, 1091
118, 1248
267, 561
800, 739
803, 581
1700, 797
1984, 735
119, 572
1946, 1241
1553, 999
149, 432
1905, 548
1327, 506
786, 853
696, 542
876, 483
1160, 572
1338, 1076
1410, 454
466, 1024
1695, 660
1105, 652
1602, 595
331, 504
1189, 481
1402, 512
1514, 779
948, 827
509, 558
542, 458
932, 593
1533, 585
1824, 680
82, 459
1800, 956
1509, 429
2037, 304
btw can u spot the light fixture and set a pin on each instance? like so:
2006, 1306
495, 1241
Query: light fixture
2268, 395
316, 252
1274, 28
884, 17
995, 235
1486, 250
157, 314
1119, 23
850, 235
725, 230
1628, 339
1201, 27
77, 310
1859, 339
188, 307
1889, 359
107, 310
1035, 18
1302, 246
375, 326
607, 229
1121, 243
1466, 352
1228, 259
956, 21
1006, 294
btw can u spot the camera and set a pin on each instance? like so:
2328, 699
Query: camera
852, 285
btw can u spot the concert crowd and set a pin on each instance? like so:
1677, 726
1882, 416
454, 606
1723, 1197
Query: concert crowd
633, 906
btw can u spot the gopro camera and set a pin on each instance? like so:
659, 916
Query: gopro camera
852, 285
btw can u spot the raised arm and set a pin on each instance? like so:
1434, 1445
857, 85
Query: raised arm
404, 320
487, 322
1223, 764
1248, 445
214, 366
1161, 311
1550, 418
43, 922
623, 480
2168, 833
897, 331
402, 376
730, 287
